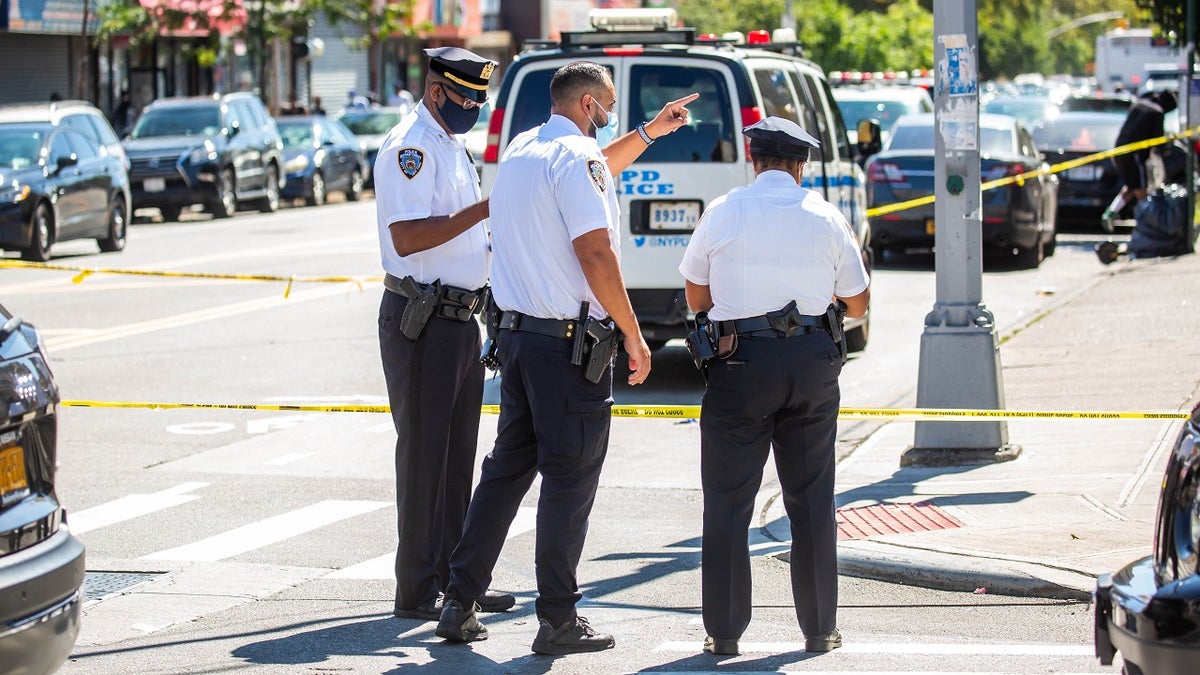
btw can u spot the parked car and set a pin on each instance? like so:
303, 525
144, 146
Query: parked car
885, 104
1098, 102
320, 155
371, 125
1017, 218
1083, 191
81, 116
41, 562
664, 192
1031, 110
218, 151
1150, 610
475, 140
58, 184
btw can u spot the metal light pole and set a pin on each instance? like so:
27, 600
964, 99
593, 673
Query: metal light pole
1187, 116
960, 355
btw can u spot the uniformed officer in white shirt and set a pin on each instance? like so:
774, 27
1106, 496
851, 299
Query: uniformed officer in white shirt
556, 245
756, 251
434, 244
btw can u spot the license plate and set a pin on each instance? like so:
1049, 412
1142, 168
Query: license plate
154, 184
674, 215
1083, 173
13, 484
929, 226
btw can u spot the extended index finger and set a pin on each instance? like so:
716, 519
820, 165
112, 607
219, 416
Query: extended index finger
685, 100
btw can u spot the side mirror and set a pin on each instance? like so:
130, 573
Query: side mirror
869, 138
234, 129
65, 162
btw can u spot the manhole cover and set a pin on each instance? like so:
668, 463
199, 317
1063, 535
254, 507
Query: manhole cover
863, 522
100, 585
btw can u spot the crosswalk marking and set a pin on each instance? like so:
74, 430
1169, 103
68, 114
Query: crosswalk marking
268, 531
130, 507
288, 458
384, 566
894, 648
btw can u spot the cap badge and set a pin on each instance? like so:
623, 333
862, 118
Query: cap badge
596, 171
411, 160
487, 70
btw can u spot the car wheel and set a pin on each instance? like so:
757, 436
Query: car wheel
170, 214
354, 192
856, 340
270, 203
1030, 258
117, 224
316, 196
42, 236
226, 204
1051, 245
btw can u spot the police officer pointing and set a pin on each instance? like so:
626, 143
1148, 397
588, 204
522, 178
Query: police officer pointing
435, 251
562, 306
762, 269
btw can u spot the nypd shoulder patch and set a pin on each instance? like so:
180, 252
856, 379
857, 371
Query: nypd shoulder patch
596, 171
411, 160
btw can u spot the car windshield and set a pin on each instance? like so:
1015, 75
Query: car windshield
372, 124
920, 137
887, 112
1029, 111
297, 134
1079, 135
20, 147
178, 121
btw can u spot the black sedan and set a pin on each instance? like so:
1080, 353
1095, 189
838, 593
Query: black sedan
58, 184
320, 155
1017, 218
1150, 610
1083, 191
41, 563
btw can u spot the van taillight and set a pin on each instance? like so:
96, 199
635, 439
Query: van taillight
750, 115
491, 154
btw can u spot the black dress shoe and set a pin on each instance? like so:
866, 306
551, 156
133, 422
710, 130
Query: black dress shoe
572, 637
823, 643
459, 624
721, 646
426, 611
495, 601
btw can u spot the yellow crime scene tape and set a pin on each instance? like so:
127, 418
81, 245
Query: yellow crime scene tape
686, 412
1057, 168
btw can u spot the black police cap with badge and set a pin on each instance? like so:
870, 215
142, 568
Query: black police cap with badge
469, 71
779, 137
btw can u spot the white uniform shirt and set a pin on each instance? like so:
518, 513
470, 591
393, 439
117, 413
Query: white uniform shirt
552, 186
422, 171
771, 242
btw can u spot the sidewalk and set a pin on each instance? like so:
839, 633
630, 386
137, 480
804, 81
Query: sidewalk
1082, 497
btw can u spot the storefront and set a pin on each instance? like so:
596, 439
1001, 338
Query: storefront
47, 52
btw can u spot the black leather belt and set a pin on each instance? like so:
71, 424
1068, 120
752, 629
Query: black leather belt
556, 328
458, 304
760, 326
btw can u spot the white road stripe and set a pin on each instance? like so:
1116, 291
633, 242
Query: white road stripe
288, 458
892, 648
384, 566
130, 507
843, 672
268, 531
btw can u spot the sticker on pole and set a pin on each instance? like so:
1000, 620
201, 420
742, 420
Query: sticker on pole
959, 67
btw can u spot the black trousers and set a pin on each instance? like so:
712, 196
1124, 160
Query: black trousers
553, 422
435, 389
781, 392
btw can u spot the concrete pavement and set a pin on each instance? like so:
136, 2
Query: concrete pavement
1082, 497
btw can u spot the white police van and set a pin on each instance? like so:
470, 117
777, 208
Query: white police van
663, 194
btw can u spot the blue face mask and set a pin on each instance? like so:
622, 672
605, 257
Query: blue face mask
607, 133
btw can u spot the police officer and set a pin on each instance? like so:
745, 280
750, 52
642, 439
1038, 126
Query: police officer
765, 263
434, 245
556, 244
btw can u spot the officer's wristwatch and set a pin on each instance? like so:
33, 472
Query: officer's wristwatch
641, 129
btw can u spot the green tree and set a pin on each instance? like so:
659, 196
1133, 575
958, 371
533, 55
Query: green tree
1170, 15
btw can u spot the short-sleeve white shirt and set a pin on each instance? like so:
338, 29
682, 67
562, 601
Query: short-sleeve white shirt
759, 247
422, 171
552, 186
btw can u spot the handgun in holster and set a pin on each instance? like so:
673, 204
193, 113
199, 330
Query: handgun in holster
701, 341
835, 314
785, 320
421, 304
602, 337
490, 356
579, 337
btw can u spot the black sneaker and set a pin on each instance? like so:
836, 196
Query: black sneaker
458, 623
823, 643
426, 611
720, 646
495, 601
572, 637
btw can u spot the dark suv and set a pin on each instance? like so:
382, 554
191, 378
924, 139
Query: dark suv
220, 152
41, 563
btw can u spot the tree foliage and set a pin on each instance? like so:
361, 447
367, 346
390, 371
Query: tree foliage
1171, 15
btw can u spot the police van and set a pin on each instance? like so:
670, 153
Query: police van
663, 194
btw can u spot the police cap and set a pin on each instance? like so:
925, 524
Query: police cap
470, 71
779, 137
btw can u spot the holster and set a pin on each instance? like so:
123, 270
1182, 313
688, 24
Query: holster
701, 341
421, 304
602, 337
786, 319
836, 314
490, 356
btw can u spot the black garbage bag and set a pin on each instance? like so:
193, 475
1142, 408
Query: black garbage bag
1160, 223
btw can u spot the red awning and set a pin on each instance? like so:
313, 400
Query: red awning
179, 17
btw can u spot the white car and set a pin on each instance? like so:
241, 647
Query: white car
884, 104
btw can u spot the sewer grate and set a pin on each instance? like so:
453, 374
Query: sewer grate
100, 585
863, 522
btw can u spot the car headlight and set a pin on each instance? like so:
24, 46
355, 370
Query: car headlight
14, 193
296, 164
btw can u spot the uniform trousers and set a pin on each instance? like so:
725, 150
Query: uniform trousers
553, 421
435, 389
781, 392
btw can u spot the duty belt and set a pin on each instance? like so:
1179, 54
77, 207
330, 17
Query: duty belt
556, 328
457, 304
760, 326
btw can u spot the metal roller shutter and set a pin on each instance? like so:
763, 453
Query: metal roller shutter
50, 75
341, 68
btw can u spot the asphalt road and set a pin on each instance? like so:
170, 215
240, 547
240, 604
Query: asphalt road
261, 541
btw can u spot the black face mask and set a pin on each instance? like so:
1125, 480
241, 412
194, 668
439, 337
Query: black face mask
458, 120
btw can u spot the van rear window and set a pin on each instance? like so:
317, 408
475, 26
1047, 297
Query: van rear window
710, 133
